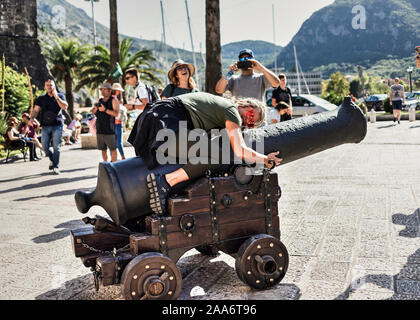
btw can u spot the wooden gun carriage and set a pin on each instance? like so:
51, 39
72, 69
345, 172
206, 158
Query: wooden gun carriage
214, 213
236, 213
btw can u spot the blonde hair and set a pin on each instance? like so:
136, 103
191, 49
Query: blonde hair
253, 103
12, 121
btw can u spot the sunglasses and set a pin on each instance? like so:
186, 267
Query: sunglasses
128, 78
245, 58
182, 68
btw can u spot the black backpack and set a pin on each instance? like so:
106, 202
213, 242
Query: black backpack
153, 94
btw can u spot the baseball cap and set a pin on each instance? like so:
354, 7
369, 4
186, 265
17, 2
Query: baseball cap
245, 51
106, 85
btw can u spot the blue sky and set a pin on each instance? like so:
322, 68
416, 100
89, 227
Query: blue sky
240, 19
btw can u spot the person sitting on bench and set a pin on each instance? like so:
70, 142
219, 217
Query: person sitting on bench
17, 140
196, 111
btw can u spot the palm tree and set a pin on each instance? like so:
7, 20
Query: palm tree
114, 43
65, 59
213, 47
96, 69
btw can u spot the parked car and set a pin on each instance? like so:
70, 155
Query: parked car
412, 100
375, 101
305, 104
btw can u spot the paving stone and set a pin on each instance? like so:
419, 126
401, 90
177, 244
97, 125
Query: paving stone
409, 287
370, 295
280, 292
330, 271
322, 290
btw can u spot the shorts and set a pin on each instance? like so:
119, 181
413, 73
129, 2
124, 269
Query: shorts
397, 105
106, 141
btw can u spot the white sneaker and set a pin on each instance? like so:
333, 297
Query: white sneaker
56, 171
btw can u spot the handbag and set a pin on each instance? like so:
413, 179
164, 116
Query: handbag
49, 118
91, 122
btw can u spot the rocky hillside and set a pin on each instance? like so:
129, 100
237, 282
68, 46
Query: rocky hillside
328, 37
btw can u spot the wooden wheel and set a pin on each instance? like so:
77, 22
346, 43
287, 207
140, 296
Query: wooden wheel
262, 261
151, 276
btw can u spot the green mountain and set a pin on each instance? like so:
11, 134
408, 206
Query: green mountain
58, 17
331, 41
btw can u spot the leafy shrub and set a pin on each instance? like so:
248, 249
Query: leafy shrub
17, 100
334, 98
387, 105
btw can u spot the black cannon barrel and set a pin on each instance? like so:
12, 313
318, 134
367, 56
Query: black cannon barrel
302, 137
122, 191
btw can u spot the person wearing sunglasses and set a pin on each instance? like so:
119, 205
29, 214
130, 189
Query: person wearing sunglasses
141, 96
181, 78
192, 111
248, 83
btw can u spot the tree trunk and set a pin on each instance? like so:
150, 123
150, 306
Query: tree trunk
68, 82
213, 47
114, 43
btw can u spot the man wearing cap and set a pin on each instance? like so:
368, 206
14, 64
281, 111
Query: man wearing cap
141, 96
248, 83
51, 105
106, 109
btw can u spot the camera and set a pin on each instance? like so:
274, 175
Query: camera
97, 104
244, 64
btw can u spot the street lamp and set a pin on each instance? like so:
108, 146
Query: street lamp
93, 21
410, 71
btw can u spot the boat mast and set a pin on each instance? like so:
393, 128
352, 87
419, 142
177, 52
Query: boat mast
297, 69
165, 63
192, 45
274, 42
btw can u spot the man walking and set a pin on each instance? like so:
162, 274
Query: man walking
105, 110
248, 84
51, 105
397, 98
141, 95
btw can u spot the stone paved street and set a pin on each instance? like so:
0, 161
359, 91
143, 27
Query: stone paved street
349, 219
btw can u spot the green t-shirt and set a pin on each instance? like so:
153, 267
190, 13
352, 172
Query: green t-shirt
173, 91
208, 111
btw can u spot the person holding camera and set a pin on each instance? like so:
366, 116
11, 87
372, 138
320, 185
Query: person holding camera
105, 110
248, 84
51, 106
282, 99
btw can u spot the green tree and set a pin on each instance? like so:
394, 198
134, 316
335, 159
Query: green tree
338, 84
65, 59
96, 69
356, 88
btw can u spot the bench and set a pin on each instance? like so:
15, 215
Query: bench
22, 147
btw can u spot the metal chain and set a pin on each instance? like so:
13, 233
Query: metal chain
105, 252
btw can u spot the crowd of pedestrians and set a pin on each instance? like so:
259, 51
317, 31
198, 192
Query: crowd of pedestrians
245, 82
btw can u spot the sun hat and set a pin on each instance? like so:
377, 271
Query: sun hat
106, 85
178, 63
117, 87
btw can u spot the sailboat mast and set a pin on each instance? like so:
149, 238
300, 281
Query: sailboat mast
274, 41
297, 69
165, 63
192, 44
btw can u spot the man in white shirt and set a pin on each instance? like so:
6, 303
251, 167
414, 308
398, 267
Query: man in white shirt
141, 95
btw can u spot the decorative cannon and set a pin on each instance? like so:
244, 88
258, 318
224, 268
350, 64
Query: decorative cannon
229, 210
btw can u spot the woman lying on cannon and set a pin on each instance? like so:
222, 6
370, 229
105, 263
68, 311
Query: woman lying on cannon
193, 111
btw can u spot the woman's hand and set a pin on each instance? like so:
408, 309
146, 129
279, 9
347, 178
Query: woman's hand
272, 157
